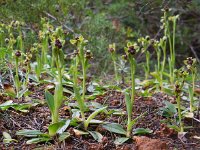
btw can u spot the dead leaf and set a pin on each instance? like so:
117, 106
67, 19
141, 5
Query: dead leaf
9, 89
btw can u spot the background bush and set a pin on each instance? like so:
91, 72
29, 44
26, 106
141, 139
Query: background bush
106, 21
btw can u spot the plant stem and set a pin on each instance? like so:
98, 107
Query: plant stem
163, 65
27, 73
129, 108
173, 51
58, 95
1, 38
113, 55
55, 116
192, 92
76, 89
38, 67
44, 51
147, 64
17, 76
129, 125
84, 80
132, 62
179, 113
158, 59
164, 48
171, 57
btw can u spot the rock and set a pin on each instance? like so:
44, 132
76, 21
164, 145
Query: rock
145, 143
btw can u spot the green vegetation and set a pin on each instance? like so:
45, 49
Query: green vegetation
40, 70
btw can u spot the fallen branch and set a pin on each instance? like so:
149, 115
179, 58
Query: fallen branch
54, 18
196, 119
195, 54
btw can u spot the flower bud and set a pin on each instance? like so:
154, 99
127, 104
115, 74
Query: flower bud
189, 61
147, 38
77, 38
88, 54
131, 50
166, 8
76, 52
58, 44
177, 88
7, 40
18, 54
111, 50
125, 57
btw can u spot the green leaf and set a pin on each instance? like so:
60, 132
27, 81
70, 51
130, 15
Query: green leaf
29, 133
22, 92
120, 140
73, 41
6, 135
65, 90
61, 57
79, 132
171, 107
94, 121
156, 75
76, 113
54, 128
94, 105
64, 127
96, 135
129, 105
169, 110
74, 122
91, 88
147, 83
115, 128
3, 52
63, 136
168, 90
50, 101
136, 119
7, 141
58, 96
119, 112
166, 74
142, 131
6, 105
176, 128
38, 140
22, 107
96, 112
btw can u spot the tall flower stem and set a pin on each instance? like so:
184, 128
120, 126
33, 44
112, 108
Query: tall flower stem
133, 67
179, 113
17, 76
147, 70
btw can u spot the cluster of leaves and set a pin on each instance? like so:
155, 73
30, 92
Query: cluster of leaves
98, 21
46, 60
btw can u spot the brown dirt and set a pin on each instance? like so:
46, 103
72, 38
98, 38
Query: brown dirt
39, 118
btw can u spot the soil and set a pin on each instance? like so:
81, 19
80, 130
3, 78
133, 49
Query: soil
38, 118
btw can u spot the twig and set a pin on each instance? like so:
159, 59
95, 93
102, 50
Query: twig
54, 18
196, 119
195, 54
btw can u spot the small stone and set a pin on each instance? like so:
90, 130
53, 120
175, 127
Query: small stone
145, 143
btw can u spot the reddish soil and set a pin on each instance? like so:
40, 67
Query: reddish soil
39, 118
